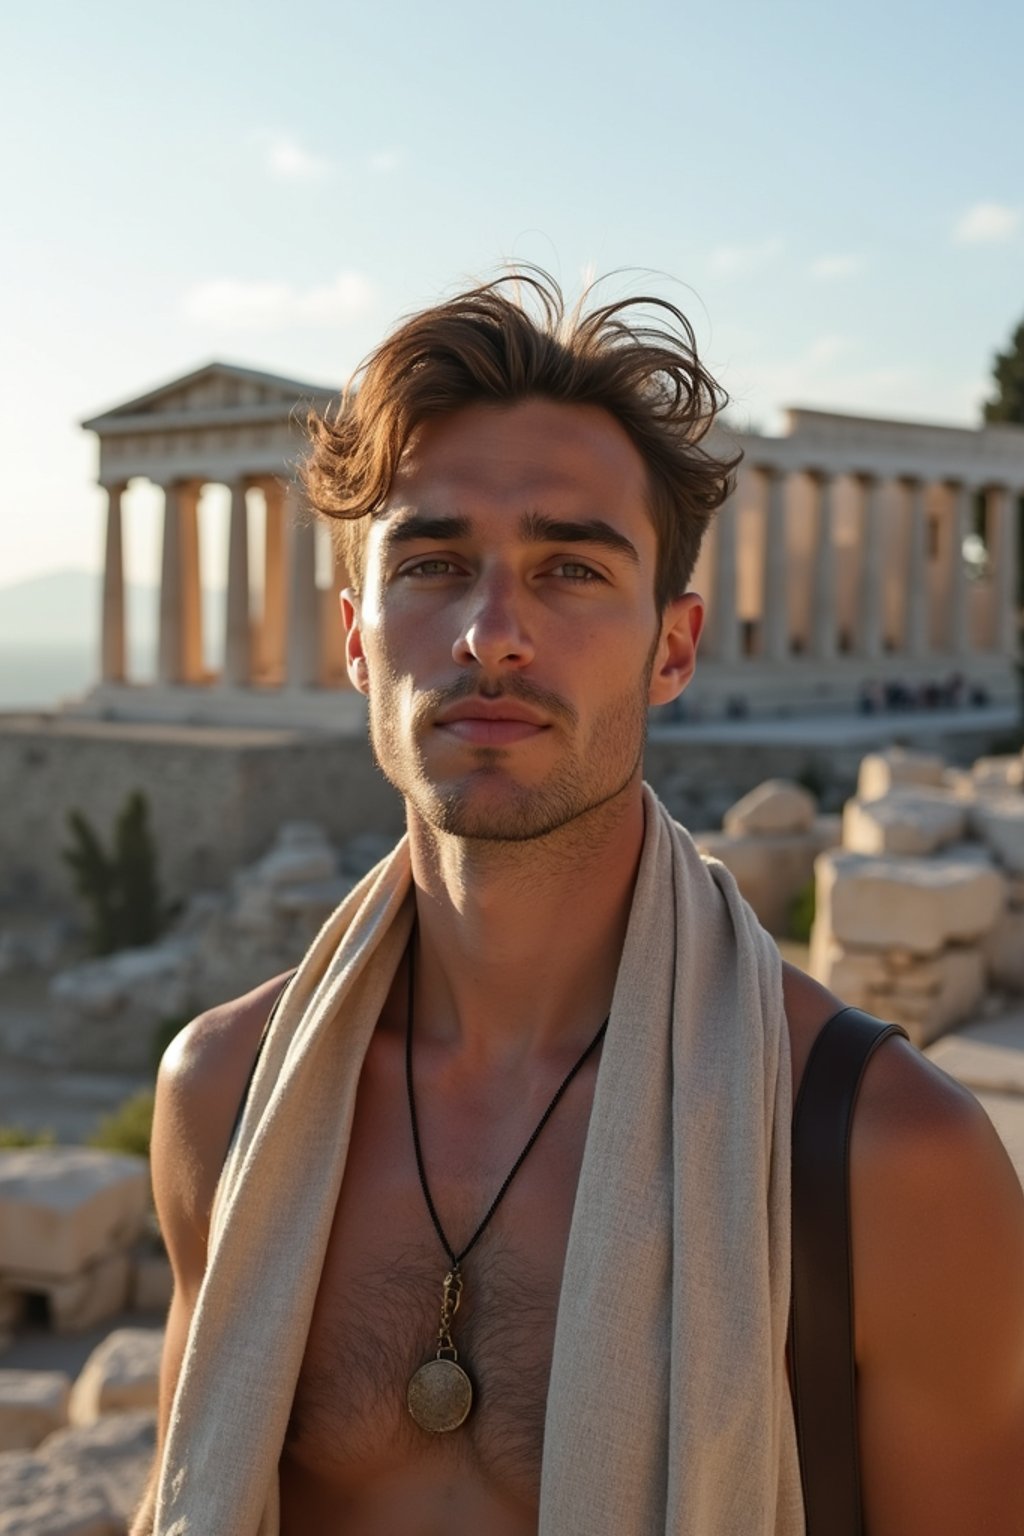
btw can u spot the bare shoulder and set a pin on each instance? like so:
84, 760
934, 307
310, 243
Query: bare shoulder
200, 1084
937, 1217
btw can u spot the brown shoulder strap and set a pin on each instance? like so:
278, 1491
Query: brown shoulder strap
821, 1318
255, 1063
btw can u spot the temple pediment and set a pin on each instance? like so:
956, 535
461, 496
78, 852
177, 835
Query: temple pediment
216, 393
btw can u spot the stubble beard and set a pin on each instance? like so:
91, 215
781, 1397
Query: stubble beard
486, 804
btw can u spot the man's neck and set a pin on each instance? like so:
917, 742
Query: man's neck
519, 943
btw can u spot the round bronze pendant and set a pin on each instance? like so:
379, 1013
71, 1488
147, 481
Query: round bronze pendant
439, 1396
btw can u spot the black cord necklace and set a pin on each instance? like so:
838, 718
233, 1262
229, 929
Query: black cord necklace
440, 1392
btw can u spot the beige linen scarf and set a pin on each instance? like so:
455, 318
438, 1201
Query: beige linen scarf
668, 1412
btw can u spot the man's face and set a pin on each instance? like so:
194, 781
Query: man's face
507, 635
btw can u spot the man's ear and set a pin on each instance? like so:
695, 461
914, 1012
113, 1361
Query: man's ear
676, 655
355, 658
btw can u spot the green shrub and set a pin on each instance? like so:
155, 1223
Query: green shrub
120, 888
801, 914
17, 1136
128, 1129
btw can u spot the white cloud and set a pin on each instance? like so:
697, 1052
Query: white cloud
236, 305
738, 260
383, 161
289, 161
828, 268
987, 224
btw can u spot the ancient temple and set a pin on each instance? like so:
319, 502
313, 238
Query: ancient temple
854, 555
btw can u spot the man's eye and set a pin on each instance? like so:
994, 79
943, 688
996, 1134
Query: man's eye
433, 566
575, 570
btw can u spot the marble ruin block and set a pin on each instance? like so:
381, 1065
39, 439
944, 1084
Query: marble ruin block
121, 1374
774, 808
62, 1208
895, 768
917, 905
33, 1404
999, 822
905, 821
1004, 951
79, 1482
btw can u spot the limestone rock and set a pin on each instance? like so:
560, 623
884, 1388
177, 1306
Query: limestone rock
12, 1306
1000, 822
917, 905
914, 821
79, 1482
39, 1499
999, 772
301, 854
32, 1405
772, 871
851, 974
88, 1298
1004, 951
120, 1374
115, 1454
62, 1208
774, 808
97, 988
110, 1009
956, 997
895, 768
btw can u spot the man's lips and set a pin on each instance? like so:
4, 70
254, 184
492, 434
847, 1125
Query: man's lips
487, 722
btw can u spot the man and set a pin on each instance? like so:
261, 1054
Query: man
408, 1312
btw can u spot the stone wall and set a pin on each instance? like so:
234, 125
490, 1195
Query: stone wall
216, 797
219, 795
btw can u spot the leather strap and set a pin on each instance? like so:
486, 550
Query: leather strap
823, 1367
255, 1063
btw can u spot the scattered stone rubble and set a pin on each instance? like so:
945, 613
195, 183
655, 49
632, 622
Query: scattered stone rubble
112, 1009
71, 1221
74, 1457
919, 915
770, 840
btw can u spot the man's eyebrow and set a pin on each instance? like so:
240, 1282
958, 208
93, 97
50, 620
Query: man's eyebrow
537, 528
534, 528
423, 525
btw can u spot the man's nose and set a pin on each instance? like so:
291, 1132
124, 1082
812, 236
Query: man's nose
494, 633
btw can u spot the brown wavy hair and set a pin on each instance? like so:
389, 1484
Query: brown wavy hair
513, 339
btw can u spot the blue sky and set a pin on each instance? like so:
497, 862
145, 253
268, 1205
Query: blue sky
835, 196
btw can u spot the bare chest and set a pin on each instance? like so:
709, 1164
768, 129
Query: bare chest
379, 1303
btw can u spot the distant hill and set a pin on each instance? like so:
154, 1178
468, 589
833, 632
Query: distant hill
59, 608
63, 608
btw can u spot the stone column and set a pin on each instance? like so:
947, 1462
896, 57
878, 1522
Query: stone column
237, 637
180, 654
958, 640
872, 568
112, 648
1002, 532
724, 627
191, 585
823, 606
915, 610
272, 628
775, 589
170, 666
303, 604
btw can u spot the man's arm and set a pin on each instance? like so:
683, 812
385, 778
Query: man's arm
938, 1245
199, 1086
